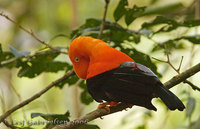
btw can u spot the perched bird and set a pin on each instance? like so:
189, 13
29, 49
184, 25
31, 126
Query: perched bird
114, 77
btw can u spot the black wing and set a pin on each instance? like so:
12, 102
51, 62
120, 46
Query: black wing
131, 83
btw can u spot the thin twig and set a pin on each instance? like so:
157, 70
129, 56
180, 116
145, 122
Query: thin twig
178, 70
37, 95
91, 116
30, 33
20, 100
102, 112
2, 100
9, 61
6, 123
168, 60
159, 60
180, 64
182, 76
194, 87
104, 18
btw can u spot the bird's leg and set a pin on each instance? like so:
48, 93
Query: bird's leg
112, 103
107, 105
129, 106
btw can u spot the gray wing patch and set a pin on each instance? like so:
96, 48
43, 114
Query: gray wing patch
141, 67
145, 69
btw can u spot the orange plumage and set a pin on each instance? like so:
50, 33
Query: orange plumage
95, 56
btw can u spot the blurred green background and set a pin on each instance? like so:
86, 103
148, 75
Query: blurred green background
53, 22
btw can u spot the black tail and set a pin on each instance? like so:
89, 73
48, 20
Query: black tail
169, 98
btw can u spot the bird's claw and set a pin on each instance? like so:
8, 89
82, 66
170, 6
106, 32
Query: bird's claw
107, 105
130, 106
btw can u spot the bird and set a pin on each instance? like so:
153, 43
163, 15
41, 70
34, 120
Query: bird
112, 77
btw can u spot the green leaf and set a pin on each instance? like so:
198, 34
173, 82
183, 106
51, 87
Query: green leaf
133, 13
50, 117
39, 63
175, 44
161, 20
86, 98
17, 53
120, 10
112, 31
163, 10
4, 56
87, 126
195, 39
70, 81
53, 119
170, 24
170, 44
141, 58
190, 106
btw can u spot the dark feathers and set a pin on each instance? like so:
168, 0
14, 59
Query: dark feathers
131, 83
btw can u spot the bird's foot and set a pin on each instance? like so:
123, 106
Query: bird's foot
107, 105
130, 106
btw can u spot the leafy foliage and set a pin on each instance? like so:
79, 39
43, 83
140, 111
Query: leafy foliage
115, 34
50, 117
170, 24
141, 58
120, 10
5, 56
135, 12
38, 64
112, 31
53, 119
70, 81
86, 98
33, 65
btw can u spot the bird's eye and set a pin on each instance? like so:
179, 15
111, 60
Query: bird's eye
76, 59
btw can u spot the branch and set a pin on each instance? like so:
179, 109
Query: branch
182, 76
102, 112
194, 87
178, 69
104, 19
30, 33
5, 62
37, 95
6, 123
92, 115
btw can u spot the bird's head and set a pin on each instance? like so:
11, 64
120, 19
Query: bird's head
91, 57
80, 52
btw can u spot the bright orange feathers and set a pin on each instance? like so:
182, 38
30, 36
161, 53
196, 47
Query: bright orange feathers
91, 57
